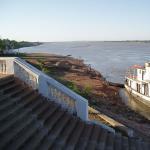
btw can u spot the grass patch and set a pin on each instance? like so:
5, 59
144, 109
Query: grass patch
85, 92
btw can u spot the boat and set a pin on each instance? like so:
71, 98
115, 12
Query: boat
137, 82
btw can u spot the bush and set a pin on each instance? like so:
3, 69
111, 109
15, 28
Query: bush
85, 92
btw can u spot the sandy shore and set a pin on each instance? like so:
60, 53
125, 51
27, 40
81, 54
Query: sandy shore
100, 94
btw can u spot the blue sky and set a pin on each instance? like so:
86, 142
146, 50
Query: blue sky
75, 20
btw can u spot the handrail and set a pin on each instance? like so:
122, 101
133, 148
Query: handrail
47, 86
55, 83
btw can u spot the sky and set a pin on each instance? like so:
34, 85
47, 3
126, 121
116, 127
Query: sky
75, 20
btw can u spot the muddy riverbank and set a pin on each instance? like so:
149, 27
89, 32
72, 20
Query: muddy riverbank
92, 85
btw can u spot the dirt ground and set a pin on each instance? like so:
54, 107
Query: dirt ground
100, 94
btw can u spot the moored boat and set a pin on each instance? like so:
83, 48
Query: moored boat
137, 82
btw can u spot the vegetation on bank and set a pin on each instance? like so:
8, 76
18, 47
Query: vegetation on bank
6, 44
85, 91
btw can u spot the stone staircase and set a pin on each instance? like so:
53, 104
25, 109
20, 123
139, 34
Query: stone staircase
29, 121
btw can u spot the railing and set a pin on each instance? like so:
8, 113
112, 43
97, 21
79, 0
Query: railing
46, 85
60, 96
3, 66
24, 73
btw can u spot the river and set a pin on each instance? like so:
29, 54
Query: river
110, 58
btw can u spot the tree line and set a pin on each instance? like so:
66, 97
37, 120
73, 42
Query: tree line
6, 44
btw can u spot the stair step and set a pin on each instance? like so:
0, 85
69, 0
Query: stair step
29, 121
12, 120
6, 80
36, 102
15, 129
7, 102
94, 138
62, 122
3, 97
118, 141
83, 140
101, 144
50, 124
74, 137
132, 144
46, 114
28, 100
15, 107
62, 139
139, 145
9, 110
51, 121
110, 141
35, 140
20, 92
15, 91
145, 146
125, 143
23, 136
41, 109
55, 132
20, 95
9, 87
